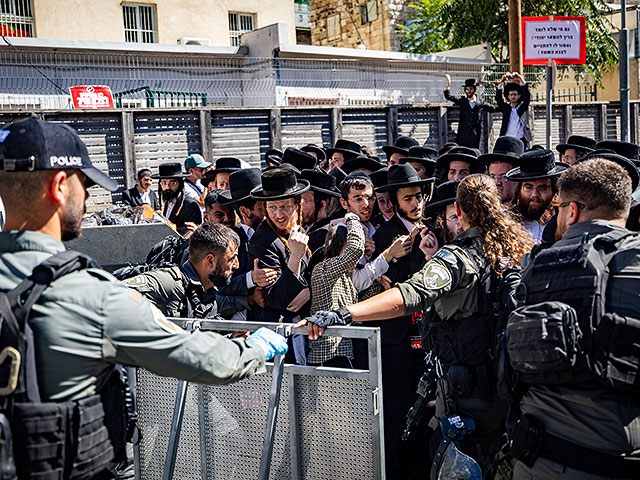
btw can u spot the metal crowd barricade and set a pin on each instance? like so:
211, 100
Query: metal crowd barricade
329, 423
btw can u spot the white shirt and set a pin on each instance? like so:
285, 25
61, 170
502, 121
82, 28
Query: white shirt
515, 128
535, 229
169, 207
144, 197
194, 191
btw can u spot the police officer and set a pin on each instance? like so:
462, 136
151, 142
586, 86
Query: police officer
582, 424
86, 322
453, 283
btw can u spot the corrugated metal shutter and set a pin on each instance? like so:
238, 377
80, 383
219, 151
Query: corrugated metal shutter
366, 127
453, 123
421, 124
243, 135
300, 127
613, 121
586, 121
496, 124
102, 134
540, 126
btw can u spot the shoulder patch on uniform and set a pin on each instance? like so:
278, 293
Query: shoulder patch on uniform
447, 255
167, 325
436, 276
136, 281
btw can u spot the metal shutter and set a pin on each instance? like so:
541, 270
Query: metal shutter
586, 121
243, 135
421, 124
300, 127
367, 127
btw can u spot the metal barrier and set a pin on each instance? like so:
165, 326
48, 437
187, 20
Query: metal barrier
329, 423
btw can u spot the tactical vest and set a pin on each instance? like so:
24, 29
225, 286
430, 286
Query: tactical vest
563, 333
52, 440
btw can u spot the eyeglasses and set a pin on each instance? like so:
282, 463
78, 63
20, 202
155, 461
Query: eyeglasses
169, 183
541, 189
285, 209
566, 204
452, 218
499, 178
569, 158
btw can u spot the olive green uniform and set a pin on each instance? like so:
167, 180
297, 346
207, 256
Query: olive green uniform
87, 321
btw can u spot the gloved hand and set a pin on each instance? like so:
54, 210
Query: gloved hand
271, 342
324, 319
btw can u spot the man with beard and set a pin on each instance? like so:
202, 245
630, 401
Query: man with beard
537, 174
86, 322
176, 206
440, 216
216, 212
402, 355
399, 149
504, 158
343, 151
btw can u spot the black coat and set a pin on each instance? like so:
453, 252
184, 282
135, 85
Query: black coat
522, 108
470, 124
243, 252
266, 246
185, 210
394, 330
133, 198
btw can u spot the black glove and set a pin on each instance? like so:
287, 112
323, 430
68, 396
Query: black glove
325, 319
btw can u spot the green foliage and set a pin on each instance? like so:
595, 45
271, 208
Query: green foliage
445, 24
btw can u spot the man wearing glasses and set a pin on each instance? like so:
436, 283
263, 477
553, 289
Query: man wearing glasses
177, 207
537, 175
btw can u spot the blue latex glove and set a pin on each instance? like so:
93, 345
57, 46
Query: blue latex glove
271, 342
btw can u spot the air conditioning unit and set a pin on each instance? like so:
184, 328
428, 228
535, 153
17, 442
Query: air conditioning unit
194, 41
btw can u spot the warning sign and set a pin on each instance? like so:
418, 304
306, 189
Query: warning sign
562, 39
91, 96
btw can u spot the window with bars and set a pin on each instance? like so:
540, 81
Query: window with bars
16, 18
240, 23
140, 25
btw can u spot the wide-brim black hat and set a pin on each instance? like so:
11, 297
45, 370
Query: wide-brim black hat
445, 195
401, 145
625, 149
624, 162
402, 176
170, 170
348, 148
536, 165
361, 161
512, 86
321, 182
507, 149
320, 153
278, 184
299, 159
240, 185
380, 177
461, 154
226, 165
470, 82
577, 142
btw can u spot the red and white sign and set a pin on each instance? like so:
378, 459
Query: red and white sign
91, 96
562, 39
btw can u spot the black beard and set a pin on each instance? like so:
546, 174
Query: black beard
168, 194
219, 278
531, 213
72, 224
404, 215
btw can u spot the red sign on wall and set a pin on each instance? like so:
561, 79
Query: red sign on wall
562, 39
91, 96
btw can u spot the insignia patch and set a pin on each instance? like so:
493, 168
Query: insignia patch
447, 255
436, 276
136, 281
166, 325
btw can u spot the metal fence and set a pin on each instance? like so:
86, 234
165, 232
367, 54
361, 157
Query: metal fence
329, 422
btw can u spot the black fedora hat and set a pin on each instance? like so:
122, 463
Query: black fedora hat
170, 170
401, 145
379, 178
445, 195
625, 149
278, 184
226, 165
536, 165
241, 183
348, 149
462, 154
361, 161
577, 142
446, 148
273, 156
299, 159
339, 174
512, 86
424, 155
624, 162
470, 82
507, 149
401, 176
320, 153
321, 182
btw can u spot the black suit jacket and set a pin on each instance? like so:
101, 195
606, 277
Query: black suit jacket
243, 252
395, 330
470, 124
185, 210
522, 108
132, 197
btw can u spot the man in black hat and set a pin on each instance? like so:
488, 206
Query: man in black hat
460, 162
471, 107
423, 159
321, 156
342, 151
385, 208
315, 205
515, 114
504, 158
440, 216
575, 149
537, 177
176, 206
362, 163
224, 167
273, 157
399, 149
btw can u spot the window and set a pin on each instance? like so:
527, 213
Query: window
240, 23
140, 24
369, 12
333, 27
16, 18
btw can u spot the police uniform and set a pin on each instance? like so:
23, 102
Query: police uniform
178, 292
451, 283
87, 321
588, 414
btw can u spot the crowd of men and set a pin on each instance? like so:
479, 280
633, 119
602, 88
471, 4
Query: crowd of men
418, 242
